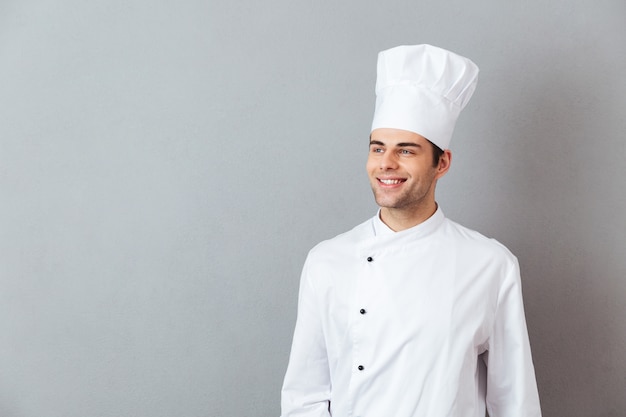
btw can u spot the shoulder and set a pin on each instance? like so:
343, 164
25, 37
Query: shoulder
471, 241
343, 242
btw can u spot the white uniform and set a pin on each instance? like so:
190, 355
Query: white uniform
398, 324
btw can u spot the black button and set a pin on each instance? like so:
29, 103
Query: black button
370, 259
362, 311
360, 368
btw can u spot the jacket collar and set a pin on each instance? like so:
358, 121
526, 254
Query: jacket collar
383, 237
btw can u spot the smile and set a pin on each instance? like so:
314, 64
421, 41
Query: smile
391, 182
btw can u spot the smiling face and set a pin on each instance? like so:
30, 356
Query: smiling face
402, 175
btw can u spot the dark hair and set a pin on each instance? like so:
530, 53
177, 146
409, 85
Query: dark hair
437, 152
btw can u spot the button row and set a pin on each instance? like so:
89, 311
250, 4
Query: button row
363, 311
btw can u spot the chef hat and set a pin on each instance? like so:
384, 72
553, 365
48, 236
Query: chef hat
423, 89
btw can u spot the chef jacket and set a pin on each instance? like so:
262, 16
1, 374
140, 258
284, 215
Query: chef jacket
425, 322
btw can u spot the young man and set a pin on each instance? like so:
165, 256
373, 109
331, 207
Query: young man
410, 314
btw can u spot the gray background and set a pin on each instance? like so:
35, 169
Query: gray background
165, 167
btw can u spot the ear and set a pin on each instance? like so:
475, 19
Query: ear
444, 163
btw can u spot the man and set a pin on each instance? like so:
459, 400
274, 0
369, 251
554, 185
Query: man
410, 314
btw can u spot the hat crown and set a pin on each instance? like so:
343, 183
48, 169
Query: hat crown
443, 72
423, 88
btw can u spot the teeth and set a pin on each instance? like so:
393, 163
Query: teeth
391, 182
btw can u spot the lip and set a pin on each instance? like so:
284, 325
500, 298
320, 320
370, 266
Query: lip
391, 182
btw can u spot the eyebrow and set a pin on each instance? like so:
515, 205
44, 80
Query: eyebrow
399, 145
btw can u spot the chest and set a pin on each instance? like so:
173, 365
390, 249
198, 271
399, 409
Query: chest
408, 295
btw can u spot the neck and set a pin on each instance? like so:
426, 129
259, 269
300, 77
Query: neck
398, 219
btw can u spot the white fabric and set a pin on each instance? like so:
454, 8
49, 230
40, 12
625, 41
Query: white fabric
422, 89
436, 297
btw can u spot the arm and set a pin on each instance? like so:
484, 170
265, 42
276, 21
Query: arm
306, 389
511, 385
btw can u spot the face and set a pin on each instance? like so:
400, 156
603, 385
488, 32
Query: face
401, 172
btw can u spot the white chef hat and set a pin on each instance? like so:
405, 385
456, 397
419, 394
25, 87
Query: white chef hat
422, 89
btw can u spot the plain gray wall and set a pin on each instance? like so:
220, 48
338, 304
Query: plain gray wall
165, 167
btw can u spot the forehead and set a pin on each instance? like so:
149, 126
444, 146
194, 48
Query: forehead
392, 137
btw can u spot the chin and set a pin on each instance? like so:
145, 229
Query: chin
386, 204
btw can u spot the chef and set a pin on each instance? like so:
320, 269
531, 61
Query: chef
410, 314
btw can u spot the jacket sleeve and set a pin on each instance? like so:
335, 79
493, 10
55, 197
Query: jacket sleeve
511, 384
306, 388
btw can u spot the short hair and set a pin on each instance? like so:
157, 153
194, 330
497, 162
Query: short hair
437, 152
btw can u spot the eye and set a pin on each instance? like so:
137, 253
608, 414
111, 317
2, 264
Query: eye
405, 152
376, 150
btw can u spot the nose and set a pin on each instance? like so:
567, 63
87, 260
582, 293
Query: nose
388, 161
